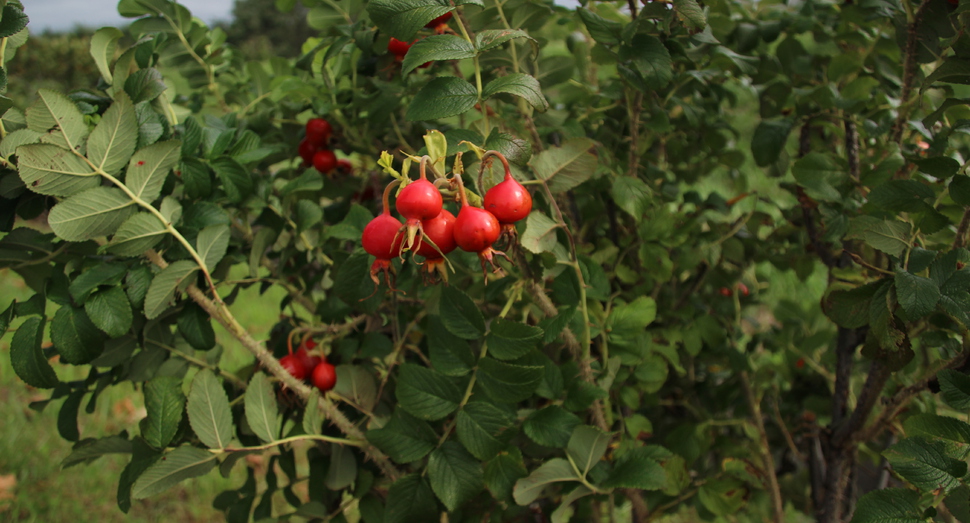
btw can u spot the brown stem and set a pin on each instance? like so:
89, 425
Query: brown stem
633, 159
386, 199
640, 510
754, 404
961, 238
910, 67
875, 382
852, 148
845, 345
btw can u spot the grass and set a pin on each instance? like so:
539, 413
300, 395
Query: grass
31, 449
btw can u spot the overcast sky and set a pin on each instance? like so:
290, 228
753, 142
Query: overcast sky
58, 15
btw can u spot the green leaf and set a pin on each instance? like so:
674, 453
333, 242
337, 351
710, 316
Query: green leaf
404, 438
108, 274
849, 308
952, 70
442, 97
67, 416
425, 393
434, 48
212, 244
460, 315
483, 429
540, 233
502, 471
632, 195
7, 316
137, 234
90, 214
520, 84
819, 174
901, 196
58, 117
651, 59
236, 180
936, 426
410, 500
723, 496
77, 340
551, 426
12, 21
308, 213
769, 140
955, 388
165, 284
343, 468
195, 325
26, 357
889, 236
959, 190
627, 322
603, 30
142, 457
528, 489
48, 169
150, 166
113, 141
690, 13
926, 464
145, 85
209, 412
636, 468
507, 383
110, 311
312, 414
450, 355
176, 466
88, 450
262, 413
356, 383
403, 18
455, 475
18, 138
917, 295
891, 505
492, 38
104, 42
587, 446
164, 402
310, 181
564, 168
509, 340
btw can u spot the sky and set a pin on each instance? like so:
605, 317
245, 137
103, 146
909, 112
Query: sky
57, 15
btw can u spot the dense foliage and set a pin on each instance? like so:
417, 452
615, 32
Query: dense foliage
741, 282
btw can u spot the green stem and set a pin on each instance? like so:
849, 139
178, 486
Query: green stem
478, 73
199, 363
284, 441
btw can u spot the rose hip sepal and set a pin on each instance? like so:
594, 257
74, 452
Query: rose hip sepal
439, 240
417, 202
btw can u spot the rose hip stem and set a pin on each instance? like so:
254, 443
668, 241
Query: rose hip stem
484, 164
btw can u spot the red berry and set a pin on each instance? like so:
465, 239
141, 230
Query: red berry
309, 362
508, 201
318, 131
476, 229
438, 21
344, 166
743, 289
724, 291
325, 376
419, 201
306, 150
381, 238
294, 366
441, 231
397, 47
800, 363
325, 160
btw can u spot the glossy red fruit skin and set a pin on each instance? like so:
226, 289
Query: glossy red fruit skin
397, 47
309, 362
293, 365
318, 131
325, 160
419, 201
306, 150
476, 229
381, 238
344, 165
508, 201
440, 230
440, 20
324, 376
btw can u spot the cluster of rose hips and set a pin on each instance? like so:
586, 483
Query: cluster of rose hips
432, 232
399, 48
304, 366
313, 148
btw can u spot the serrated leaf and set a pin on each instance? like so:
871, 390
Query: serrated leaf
90, 449
262, 414
540, 233
113, 141
110, 311
627, 322
926, 464
13, 21
651, 59
104, 42
936, 426
164, 285
209, 412
690, 13
551, 426
502, 471
509, 340
195, 325
90, 214
769, 140
603, 30
901, 195
436, 48
889, 236
483, 429
492, 38
820, 175
565, 167
212, 244
403, 18
507, 383
894, 505
455, 475
164, 402
528, 489
450, 355
632, 195
357, 384
723, 496
76, 339
174, 467
49, 169
587, 446
150, 166
636, 468
409, 500
425, 393
460, 315
404, 438
56, 115
107, 274
343, 468
15, 139
26, 357
145, 85
442, 97
140, 232
960, 190
520, 84
955, 388
236, 180
917, 295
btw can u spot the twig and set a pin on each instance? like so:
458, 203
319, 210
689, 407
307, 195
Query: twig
910, 66
960, 240
875, 382
754, 404
633, 159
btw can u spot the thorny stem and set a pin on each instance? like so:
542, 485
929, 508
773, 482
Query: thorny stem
478, 70
910, 67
